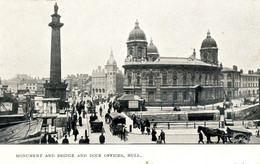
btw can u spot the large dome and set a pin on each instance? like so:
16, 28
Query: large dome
137, 33
209, 42
152, 48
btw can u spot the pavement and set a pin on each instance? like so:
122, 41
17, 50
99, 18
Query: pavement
175, 135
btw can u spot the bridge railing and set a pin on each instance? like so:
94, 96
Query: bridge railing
188, 124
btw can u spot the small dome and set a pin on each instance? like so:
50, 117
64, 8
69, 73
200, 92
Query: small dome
152, 48
208, 42
137, 33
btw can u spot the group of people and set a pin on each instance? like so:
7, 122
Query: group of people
48, 139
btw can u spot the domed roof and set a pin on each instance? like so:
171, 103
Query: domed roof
137, 33
208, 42
152, 48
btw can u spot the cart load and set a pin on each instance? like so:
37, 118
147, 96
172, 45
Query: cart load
237, 135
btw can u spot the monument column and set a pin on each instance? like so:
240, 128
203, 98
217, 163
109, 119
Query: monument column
55, 88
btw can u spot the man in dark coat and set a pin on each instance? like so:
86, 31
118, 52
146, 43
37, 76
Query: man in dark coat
102, 139
68, 128
65, 140
73, 124
162, 135
142, 127
75, 133
200, 137
86, 141
75, 117
81, 141
44, 139
80, 121
154, 138
100, 111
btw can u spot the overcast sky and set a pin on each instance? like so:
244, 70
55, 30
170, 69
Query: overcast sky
92, 27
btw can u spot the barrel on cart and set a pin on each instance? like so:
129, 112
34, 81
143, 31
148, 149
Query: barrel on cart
238, 136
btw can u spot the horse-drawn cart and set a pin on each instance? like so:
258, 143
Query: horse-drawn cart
236, 135
117, 123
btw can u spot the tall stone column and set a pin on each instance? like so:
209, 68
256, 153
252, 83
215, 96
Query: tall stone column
55, 73
55, 88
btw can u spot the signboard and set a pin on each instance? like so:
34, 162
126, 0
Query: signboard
132, 104
6, 106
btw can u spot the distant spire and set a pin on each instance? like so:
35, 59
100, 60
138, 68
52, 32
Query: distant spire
194, 53
208, 34
111, 54
136, 24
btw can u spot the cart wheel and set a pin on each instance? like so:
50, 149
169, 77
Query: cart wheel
240, 139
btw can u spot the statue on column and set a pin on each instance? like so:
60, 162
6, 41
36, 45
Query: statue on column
56, 8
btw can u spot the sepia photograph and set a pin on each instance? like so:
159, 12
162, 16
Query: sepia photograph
129, 81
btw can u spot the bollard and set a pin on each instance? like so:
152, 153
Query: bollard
243, 122
168, 125
204, 124
130, 128
186, 125
194, 125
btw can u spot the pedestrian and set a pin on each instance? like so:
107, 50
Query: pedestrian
86, 141
65, 140
147, 122
51, 139
257, 133
134, 120
200, 137
55, 139
75, 117
73, 124
44, 139
102, 139
75, 133
162, 136
148, 130
68, 128
81, 141
123, 133
100, 111
154, 138
80, 121
142, 127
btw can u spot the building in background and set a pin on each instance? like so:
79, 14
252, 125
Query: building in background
108, 80
167, 80
231, 81
80, 81
249, 84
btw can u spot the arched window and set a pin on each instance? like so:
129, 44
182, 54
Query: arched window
175, 95
138, 81
229, 75
192, 79
200, 77
131, 52
129, 80
164, 78
206, 79
96, 90
185, 95
99, 90
174, 79
184, 79
165, 96
150, 80
103, 90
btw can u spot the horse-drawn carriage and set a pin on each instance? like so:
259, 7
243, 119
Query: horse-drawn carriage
117, 123
236, 135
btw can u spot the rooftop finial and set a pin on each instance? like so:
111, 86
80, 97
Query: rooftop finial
151, 41
56, 8
136, 24
194, 52
208, 34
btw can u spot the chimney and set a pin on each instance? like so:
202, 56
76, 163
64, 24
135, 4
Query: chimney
241, 70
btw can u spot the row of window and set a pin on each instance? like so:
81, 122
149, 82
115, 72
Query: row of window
175, 80
99, 90
250, 85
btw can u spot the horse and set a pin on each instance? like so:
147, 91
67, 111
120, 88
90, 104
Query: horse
208, 132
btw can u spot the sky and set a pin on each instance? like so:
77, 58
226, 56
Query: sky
93, 27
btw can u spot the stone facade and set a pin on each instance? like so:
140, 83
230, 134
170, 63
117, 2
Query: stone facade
167, 80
